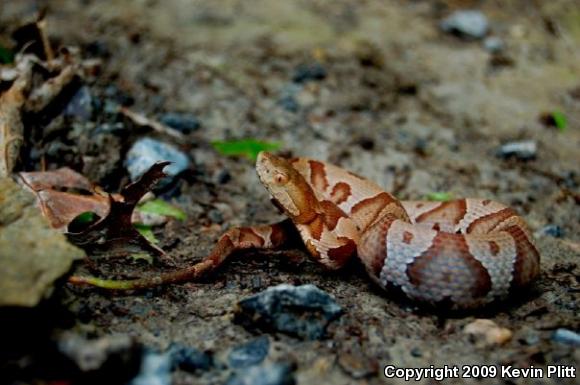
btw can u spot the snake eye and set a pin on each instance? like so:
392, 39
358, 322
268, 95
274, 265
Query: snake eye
280, 179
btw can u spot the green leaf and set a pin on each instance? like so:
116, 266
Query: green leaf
147, 232
6, 56
82, 221
560, 120
160, 207
250, 148
86, 217
439, 196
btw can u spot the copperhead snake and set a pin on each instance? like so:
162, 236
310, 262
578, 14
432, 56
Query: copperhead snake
465, 252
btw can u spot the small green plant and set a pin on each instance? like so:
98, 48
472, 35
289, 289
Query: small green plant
250, 148
560, 120
439, 196
160, 207
146, 231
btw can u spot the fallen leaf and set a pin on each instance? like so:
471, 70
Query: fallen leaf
11, 128
160, 207
62, 178
115, 234
560, 120
439, 196
61, 207
250, 148
147, 232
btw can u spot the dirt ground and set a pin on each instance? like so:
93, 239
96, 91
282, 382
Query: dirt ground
413, 108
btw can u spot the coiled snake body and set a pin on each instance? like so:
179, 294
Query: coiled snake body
465, 252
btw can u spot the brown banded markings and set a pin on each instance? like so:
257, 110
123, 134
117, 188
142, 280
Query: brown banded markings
527, 261
318, 178
449, 260
340, 193
445, 216
367, 211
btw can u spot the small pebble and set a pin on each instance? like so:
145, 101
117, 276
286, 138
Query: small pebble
309, 72
155, 369
183, 122
522, 150
97, 48
91, 355
468, 24
551, 230
270, 374
304, 311
251, 353
289, 103
416, 352
288, 97
215, 216
81, 105
487, 332
532, 339
147, 151
257, 282
190, 359
493, 44
366, 143
223, 176
117, 96
111, 107
567, 337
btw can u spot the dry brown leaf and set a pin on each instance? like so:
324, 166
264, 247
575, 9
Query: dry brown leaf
61, 207
61, 178
114, 234
11, 128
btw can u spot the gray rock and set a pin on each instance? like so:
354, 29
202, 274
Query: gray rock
271, 374
28, 277
249, 354
190, 359
567, 337
468, 24
155, 369
522, 150
183, 122
304, 311
147, 151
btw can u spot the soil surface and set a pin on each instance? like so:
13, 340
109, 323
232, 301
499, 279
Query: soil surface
384, 93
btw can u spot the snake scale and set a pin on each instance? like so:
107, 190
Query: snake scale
464, 253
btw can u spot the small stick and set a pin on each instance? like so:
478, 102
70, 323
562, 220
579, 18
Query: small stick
41, 25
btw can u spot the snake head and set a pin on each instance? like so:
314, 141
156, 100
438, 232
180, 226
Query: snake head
287, 187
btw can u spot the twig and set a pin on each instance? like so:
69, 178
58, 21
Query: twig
142, 120
41, 25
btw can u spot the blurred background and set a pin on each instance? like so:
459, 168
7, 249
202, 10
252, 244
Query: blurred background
430, 99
